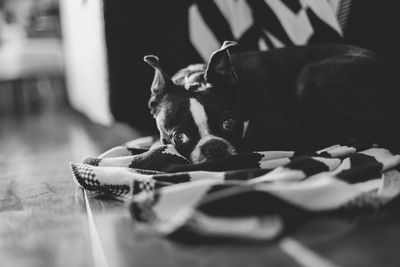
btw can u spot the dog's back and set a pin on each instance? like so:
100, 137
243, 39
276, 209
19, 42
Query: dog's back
315, 95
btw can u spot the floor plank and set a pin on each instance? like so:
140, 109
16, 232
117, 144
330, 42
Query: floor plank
43, 221
370, 242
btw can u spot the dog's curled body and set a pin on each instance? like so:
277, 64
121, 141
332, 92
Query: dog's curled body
300, 98
305, 98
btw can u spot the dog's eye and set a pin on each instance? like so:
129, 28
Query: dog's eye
179, 138
228, 124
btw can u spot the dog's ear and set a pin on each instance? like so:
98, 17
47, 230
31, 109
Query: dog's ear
220, 67
161, 81
161, 85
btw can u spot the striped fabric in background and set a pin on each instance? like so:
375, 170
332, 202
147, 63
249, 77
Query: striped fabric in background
265, 24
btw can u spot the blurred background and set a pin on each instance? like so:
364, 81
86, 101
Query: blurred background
32, 69
87, 55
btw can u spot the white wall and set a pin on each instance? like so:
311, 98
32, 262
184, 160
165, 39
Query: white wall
82, 26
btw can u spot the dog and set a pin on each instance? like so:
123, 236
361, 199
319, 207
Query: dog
299, 98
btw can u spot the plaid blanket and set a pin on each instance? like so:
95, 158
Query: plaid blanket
259, 196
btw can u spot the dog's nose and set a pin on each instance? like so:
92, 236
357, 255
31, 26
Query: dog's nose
214, 149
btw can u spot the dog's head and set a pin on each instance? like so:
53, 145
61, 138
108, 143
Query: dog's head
197, 110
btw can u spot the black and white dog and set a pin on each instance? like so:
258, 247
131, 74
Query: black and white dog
300, 98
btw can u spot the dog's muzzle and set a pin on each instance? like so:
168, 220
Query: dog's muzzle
211, 147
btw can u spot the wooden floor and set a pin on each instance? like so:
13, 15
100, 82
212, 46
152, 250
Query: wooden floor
45, 220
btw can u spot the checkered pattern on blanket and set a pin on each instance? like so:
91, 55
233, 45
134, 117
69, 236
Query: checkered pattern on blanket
256, 196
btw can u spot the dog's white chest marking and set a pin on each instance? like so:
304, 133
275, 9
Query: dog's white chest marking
199, 117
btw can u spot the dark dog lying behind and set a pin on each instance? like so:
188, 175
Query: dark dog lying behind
299, 98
